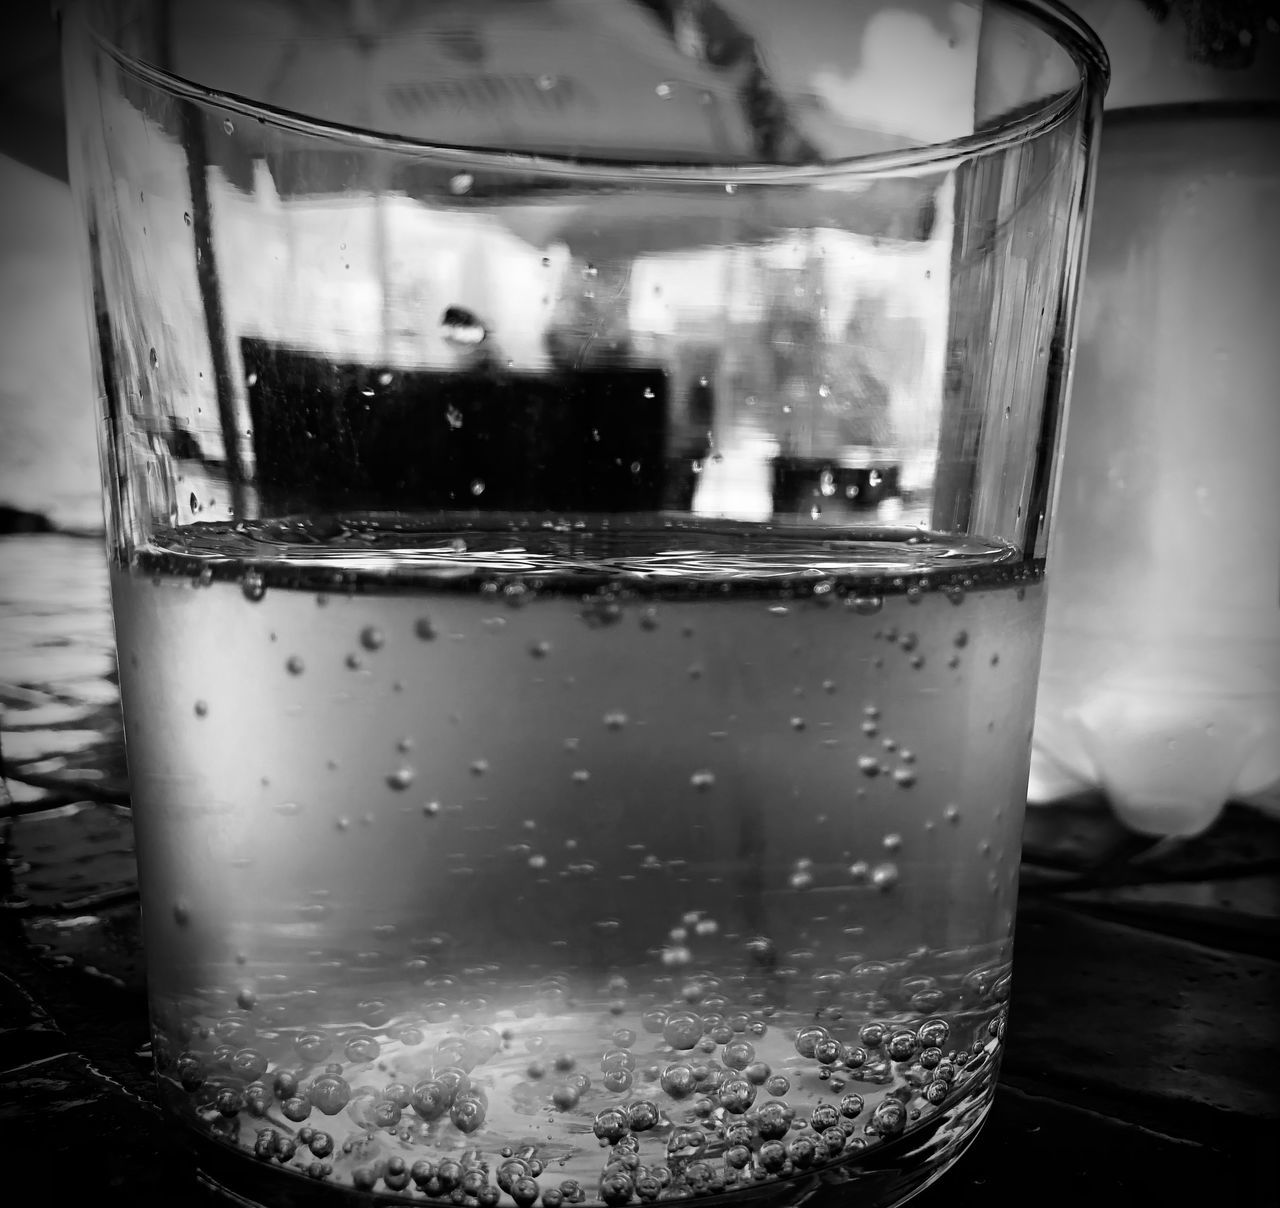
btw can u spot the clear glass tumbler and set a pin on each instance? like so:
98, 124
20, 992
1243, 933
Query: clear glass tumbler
577, 480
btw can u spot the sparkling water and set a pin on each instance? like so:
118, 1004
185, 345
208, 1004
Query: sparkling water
573, 862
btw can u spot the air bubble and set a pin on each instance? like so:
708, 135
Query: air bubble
884, 876
401, 778
468, 1113
682, 1029
888, 1118
934, 1033
801, 875
611, 1124
828, 1051
249, 1063
902, 1046
459, 326
808, 1039
873, 1034
313, 1046
372, 638
678, 1080
565, 1097
229, 126
253, 586
869, 765
736, 1095
904, 777
285, 1084
294, 665
675, 955
330, 1093
362, 1049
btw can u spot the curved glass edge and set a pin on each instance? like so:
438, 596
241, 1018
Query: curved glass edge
1058, 400
1060, 23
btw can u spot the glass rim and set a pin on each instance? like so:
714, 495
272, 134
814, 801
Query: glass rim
1068, 30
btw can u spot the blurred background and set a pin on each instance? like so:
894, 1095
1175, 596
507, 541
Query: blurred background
47, 457
1163, 51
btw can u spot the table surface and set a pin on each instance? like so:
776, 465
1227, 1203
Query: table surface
1141, 1063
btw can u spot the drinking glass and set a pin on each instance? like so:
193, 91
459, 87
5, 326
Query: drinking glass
577, 478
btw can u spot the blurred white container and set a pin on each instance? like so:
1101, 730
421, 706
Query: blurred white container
1161, 675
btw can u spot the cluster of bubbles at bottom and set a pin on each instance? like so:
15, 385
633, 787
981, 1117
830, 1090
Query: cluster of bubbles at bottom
714, 1117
